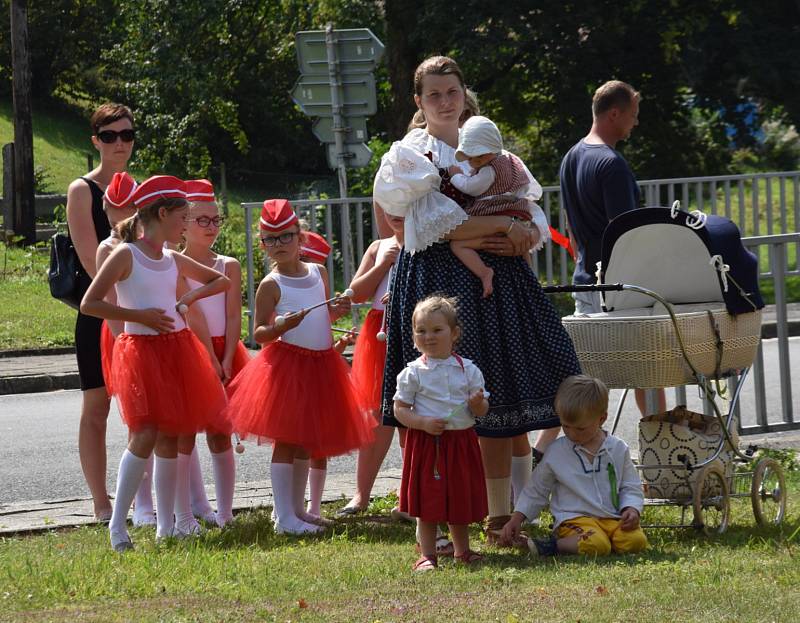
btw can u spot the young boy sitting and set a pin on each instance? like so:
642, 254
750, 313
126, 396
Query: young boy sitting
589, 480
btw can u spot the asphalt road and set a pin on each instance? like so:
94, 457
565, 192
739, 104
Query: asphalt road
39, 453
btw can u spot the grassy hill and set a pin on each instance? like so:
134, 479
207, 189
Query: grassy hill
60, 143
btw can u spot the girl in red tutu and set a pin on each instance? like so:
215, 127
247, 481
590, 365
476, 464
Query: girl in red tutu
371, 282
438, 397
297, 392
162, 379
217, 322
118, 206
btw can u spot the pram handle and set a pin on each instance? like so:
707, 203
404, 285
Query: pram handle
589, 287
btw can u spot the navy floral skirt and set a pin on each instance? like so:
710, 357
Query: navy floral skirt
514, 336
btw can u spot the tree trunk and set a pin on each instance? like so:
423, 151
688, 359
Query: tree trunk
403, 56
24, 209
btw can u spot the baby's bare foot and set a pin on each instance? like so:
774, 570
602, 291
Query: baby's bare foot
486, 281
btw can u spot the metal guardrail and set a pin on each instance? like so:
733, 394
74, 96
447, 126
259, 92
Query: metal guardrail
348, 226
776, 271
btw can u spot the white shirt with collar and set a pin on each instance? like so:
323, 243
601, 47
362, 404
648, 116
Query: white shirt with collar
575, 485
440, 388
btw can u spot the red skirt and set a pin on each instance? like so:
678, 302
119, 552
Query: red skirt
368, 360
107, 355
240, 356
458, 496
300, 397
167, 382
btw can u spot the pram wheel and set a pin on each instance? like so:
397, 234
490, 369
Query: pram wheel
768, 492
711, 503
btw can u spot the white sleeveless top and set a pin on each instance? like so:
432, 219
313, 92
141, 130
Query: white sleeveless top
152, 283
383, 246
297, 293
213, 307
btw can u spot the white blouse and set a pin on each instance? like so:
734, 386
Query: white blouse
407, 184
440, 388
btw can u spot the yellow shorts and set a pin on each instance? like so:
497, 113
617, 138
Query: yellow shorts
599, 537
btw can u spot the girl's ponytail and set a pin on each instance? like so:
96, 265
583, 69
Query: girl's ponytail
126, 229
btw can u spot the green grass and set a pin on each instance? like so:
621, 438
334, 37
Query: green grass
60, 143
31, 318
360, 571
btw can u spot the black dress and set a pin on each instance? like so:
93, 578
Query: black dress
87, 328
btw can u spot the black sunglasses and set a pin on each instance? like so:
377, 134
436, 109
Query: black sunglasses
111, 136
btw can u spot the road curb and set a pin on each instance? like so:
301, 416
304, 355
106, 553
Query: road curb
39, 383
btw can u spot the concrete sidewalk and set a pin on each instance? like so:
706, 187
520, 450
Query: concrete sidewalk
40, 515
44, 371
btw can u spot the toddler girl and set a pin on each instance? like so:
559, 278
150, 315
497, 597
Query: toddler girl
438, 397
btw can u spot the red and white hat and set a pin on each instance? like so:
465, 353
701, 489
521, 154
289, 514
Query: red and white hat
158, 187
277, 214
315, 247
120, 191
199, 190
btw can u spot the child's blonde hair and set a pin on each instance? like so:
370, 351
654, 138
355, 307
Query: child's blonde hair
447, 306
127, 229
581, 398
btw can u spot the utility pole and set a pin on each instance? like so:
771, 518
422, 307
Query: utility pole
24, 209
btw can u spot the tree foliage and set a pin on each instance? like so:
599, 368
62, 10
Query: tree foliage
209, 80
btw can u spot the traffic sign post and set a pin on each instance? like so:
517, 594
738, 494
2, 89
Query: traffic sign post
355, 129
337, 86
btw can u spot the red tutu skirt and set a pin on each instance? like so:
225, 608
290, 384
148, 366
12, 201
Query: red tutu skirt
240, 356
458, 496
167, 382
300, 397
107, 355
368, 360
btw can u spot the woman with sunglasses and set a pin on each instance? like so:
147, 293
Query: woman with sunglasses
217, 322
112, 136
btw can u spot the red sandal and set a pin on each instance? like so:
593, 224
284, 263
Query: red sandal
468, 557
444, 547
425, 563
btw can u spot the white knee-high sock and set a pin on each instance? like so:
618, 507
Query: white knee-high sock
282, 475
165, 478
520, 473
316, 487
143, 512
185, 523
201, 507
131, 468
224, 484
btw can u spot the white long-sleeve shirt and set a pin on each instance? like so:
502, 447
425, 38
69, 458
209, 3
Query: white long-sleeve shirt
575, 485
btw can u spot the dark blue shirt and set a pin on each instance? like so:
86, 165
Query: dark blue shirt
596, 185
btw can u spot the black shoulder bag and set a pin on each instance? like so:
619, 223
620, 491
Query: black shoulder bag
66, 273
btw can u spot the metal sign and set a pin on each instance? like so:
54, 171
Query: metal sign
355, 155
355, 130
357, 50
313, 95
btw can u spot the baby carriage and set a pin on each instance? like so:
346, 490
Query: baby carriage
681, 306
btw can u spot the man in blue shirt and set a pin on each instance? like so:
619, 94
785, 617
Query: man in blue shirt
596, 185
596, 182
